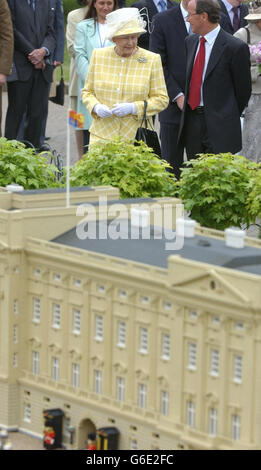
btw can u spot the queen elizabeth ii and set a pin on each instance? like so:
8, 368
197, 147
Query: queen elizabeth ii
121, 77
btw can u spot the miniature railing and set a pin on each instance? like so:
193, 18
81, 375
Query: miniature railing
91, 258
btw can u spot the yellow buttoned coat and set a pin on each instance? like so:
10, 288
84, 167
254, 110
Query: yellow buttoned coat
114, 79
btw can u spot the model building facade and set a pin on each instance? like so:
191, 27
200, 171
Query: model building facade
165, 350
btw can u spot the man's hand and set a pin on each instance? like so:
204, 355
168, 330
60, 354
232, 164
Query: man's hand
180, 102
37, 55
2, 79
40, 66
56, 63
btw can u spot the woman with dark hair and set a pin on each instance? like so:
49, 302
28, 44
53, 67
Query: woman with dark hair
90, 35
74, 17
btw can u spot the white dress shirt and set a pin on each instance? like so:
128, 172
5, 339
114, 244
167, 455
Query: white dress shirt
185, 14
210, 40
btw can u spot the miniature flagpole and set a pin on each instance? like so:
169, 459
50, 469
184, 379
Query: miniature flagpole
76, 120
68, 162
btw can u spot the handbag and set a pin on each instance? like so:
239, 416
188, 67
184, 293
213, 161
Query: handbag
59, 96
149, 136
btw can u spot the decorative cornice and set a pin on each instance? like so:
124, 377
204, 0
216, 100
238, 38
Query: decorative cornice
97, 361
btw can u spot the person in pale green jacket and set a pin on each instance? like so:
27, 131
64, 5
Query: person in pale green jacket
90, 34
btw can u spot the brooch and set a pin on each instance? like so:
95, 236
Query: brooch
142, 59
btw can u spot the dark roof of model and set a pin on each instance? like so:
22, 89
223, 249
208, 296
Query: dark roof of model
153, 251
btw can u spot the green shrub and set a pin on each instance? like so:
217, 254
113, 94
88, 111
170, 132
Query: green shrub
69, 5
215, 189
134, 169
22, 165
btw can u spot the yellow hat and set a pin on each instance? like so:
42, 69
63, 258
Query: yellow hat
123, 22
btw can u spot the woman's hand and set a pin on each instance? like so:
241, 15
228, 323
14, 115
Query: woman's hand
102, 110
123, 109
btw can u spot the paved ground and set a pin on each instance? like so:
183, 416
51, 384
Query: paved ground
21, 441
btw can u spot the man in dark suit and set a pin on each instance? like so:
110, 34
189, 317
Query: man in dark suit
168, 39
218, 83
235, 11
6, 48
34, 46
58, 23
153, 7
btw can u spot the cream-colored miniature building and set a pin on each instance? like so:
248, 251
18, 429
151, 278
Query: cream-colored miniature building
166, 353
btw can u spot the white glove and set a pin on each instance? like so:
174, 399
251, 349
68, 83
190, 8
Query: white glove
123, 109
102, 110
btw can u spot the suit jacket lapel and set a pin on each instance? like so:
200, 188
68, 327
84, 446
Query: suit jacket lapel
179, 23
38, 18
216, 52
152, 10
191, 54
169, 4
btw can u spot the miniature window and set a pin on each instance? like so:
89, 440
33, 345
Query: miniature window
133, 444
36, 310
67, 424
15, 359
55, 368
164, 403
191, 414
144, 299
165, 348
123, 294
142, 396
27, 412
235, 427
101, 289
99, 328
239, 326
76, 321
192, 356
193, 314
75, 375
77, 282
122, 334
120, 389
216, 320
167, 305
15, 334
143, 340
214, 362
56, 315
98, 381
37, 272
16, 310
35, 363
57, 277
213, 422
238, 368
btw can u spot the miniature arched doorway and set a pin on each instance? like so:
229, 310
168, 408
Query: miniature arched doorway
86, 426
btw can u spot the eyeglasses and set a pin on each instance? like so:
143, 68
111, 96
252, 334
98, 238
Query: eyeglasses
190, 14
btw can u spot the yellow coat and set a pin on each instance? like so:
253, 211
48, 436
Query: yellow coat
113, 79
